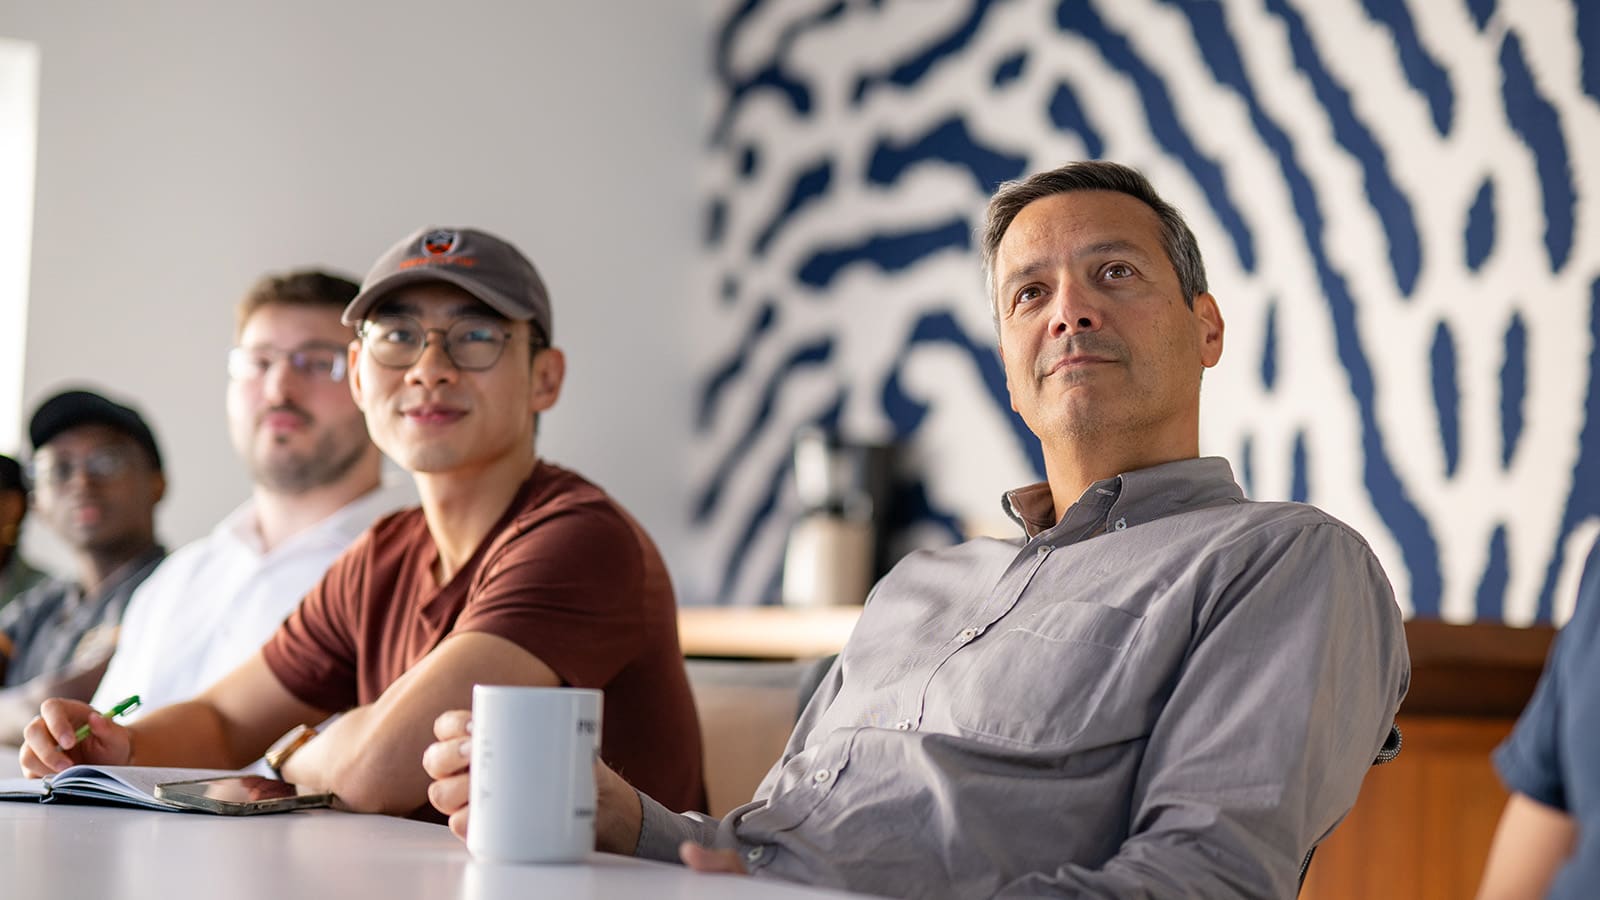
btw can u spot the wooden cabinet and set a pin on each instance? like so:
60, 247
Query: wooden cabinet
1422, 826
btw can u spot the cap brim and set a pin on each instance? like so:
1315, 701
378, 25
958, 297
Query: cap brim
374, 294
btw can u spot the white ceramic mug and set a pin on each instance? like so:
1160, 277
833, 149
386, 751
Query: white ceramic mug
533, 791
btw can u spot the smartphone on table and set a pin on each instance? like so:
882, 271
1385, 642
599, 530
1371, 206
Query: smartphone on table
241, 795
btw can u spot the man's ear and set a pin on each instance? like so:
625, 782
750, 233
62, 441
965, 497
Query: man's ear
353, 372
549, 371
158, 488
1208, 328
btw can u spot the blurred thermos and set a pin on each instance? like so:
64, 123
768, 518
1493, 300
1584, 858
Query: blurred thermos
834, 546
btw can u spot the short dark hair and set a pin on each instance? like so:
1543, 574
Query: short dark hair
309, 287
1092, 175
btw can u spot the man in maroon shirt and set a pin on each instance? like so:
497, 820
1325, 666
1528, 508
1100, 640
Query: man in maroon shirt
513, 571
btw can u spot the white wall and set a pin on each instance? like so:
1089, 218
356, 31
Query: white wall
19, 91
185, 147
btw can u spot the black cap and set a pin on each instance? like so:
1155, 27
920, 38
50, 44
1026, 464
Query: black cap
11, 475
70, 409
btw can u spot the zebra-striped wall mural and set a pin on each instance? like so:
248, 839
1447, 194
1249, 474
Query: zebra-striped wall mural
1397, 211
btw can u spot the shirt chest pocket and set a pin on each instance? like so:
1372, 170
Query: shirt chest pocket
1040, 680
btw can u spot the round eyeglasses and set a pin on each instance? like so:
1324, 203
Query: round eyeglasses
471, 343
319, 362
101, 464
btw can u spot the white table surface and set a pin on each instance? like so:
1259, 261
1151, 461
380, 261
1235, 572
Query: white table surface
56, 851
50, 851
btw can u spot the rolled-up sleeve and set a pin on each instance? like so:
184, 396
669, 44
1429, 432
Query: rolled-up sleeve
1530, 761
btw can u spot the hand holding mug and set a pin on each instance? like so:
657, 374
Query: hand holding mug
448, 762
532, 784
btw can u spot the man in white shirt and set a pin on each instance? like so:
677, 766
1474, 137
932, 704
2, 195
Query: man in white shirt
317, 487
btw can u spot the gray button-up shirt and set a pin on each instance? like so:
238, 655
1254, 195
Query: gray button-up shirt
1172, 692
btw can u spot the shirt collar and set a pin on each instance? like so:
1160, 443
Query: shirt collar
1129, 499
240, 527
119, 578
342, 525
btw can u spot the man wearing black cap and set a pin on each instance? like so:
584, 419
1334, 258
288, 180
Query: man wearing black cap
96, 481
514, 571
16, 576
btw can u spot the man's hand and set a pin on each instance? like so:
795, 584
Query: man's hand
448, 762
705, 859
50, 742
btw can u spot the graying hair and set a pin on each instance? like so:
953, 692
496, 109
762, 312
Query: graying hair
1091, 175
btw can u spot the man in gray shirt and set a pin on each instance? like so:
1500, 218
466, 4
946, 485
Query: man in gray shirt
1159, 689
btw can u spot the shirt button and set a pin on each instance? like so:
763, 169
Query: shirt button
1121, 525
754, 854
1044, 551
821, 776
903, 725
967, 634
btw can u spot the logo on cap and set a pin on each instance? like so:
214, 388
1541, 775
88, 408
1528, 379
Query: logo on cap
440, 243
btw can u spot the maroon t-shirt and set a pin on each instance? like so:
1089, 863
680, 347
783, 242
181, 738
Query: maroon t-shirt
566, 574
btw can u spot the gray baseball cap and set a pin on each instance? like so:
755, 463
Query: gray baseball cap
479, 263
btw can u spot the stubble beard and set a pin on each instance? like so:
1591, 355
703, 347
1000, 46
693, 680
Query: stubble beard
328, 460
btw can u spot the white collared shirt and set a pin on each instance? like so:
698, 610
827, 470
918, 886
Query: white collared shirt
214, 602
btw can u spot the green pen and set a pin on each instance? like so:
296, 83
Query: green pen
119, 709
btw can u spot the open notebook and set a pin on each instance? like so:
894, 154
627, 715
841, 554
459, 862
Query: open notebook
117, 785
